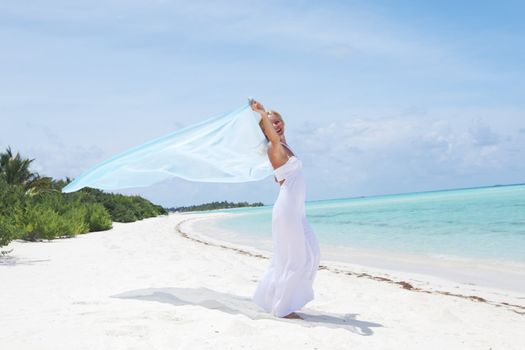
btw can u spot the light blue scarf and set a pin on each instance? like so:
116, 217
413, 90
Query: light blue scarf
227, 148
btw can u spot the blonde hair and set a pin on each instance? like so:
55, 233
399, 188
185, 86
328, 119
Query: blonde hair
271, 111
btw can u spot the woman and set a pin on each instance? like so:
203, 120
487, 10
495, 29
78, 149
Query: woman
287, 284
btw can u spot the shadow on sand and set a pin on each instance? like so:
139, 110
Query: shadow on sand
237, 305
14, 261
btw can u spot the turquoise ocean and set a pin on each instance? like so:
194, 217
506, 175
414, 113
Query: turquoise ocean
476, 223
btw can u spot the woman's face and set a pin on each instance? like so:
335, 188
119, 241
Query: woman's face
277, 123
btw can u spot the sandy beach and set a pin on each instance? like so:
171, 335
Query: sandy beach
159, 284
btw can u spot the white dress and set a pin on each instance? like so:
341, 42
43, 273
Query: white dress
287, 283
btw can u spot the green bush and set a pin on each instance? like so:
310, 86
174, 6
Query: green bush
11, 209
98, 217
9, 230
43, 223
74, 221
123, 208
11, 197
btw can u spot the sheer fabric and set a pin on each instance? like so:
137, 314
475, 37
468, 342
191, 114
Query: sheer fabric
228, 148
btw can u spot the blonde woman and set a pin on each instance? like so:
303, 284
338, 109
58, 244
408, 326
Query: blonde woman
287, 284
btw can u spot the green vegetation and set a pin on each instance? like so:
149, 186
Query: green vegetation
123, 208
32, 207
217, 205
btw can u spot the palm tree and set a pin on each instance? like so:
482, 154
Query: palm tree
15, 171
14, 168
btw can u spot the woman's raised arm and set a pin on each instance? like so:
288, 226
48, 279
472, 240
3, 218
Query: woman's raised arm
265, 123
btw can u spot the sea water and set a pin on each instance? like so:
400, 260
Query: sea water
478, 223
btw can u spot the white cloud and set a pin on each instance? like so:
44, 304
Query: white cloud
483, 135
390, 154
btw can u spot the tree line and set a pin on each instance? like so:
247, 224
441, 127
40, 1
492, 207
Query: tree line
32, 206
215, 205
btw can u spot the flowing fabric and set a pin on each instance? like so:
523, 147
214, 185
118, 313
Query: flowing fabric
228, 148
287, 283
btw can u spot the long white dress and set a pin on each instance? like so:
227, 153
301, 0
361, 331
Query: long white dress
287, 283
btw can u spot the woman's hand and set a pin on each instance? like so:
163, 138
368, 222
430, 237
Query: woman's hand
257, 107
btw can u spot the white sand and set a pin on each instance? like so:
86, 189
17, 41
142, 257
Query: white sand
144, 286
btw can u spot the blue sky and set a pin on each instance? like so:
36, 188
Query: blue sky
379, 97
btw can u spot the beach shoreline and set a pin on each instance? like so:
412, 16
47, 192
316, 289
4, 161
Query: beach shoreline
440, 281
144, 285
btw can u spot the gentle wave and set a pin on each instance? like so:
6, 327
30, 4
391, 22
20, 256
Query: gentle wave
486, 223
